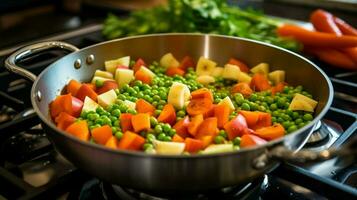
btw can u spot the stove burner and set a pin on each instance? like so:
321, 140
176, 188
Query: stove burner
324, 135
91, 189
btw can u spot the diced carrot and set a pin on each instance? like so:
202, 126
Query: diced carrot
259, 82
181, 127
236, 127
256, 119
242, 66
271, 132
210, 112
143, 106
195, 124
187, 62
86, 90
102, 134
221, 112
140, 62
73, 86
107, 85
112, 142
249, 140
65, 103
168, 114
138, 143
125, 122
63, 120
278, 87
193, 145
242, 88
177, 138
171, 71
131, 141
79, 129
140, 75
202, 93
199, 106
207, 127
140, 122
207, 140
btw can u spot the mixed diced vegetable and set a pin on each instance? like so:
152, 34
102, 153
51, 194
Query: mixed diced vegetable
172, 107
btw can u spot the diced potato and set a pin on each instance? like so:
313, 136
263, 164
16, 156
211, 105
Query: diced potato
228, 102
89, 105
205, 79
130, 104
277, 76
262, 68
168, 60
231, 72
217, 72
205, 66
111, 65
103, 74
169, 148
107, 98
218, 148
124, 76
244, 77
301, 102
147, 71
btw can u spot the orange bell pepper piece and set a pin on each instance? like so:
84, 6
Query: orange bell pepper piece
79, 129
256, 119
140, 122
202, 93
207, 140
73, 87
193, 145
249, 140
167, 115
63, 120
271, 132
125, 122
102, 134
177, 138
278, 88
143, 106
131, 141
221, 112
199, 106
195, 124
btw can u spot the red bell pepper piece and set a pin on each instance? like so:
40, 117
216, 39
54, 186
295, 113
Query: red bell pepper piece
140, 62
236, 127
125, 122
63, 120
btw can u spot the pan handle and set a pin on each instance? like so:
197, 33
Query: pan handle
283, 154
10, 62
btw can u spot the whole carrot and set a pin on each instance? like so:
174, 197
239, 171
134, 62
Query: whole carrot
344, 27
319, 39
333, 57
323, 21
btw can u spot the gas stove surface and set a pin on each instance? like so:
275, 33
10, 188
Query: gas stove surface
30, 168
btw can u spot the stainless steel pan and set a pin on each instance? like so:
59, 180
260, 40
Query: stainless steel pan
174, 173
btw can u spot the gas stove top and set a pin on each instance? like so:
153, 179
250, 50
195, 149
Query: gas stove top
30, 168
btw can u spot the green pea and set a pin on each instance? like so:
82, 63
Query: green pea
181, 113
281, 102
253, 97
166, 128
161, 136
167, 138
113, 119
148, 146
153, 121
172, 132
92, 117
253, 106
99, 121
236, 141
158, 129
94, 126
292, 128
118, 135
295, 115
223, 133
99, 83
219, 139
286, 117
273, 119
269, 100
116, 112
307, 117
160, 107
150, 137
157, 112
116, 123
273, 106
298, 121
301, 124
286, 124
245, 106
131, 111
106, 120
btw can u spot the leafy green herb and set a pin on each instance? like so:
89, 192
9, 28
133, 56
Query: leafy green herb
202, 16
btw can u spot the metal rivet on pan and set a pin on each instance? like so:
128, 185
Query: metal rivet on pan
77, 64
38, 96
90, 59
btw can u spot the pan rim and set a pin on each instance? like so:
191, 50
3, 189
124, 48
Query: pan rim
50, 124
